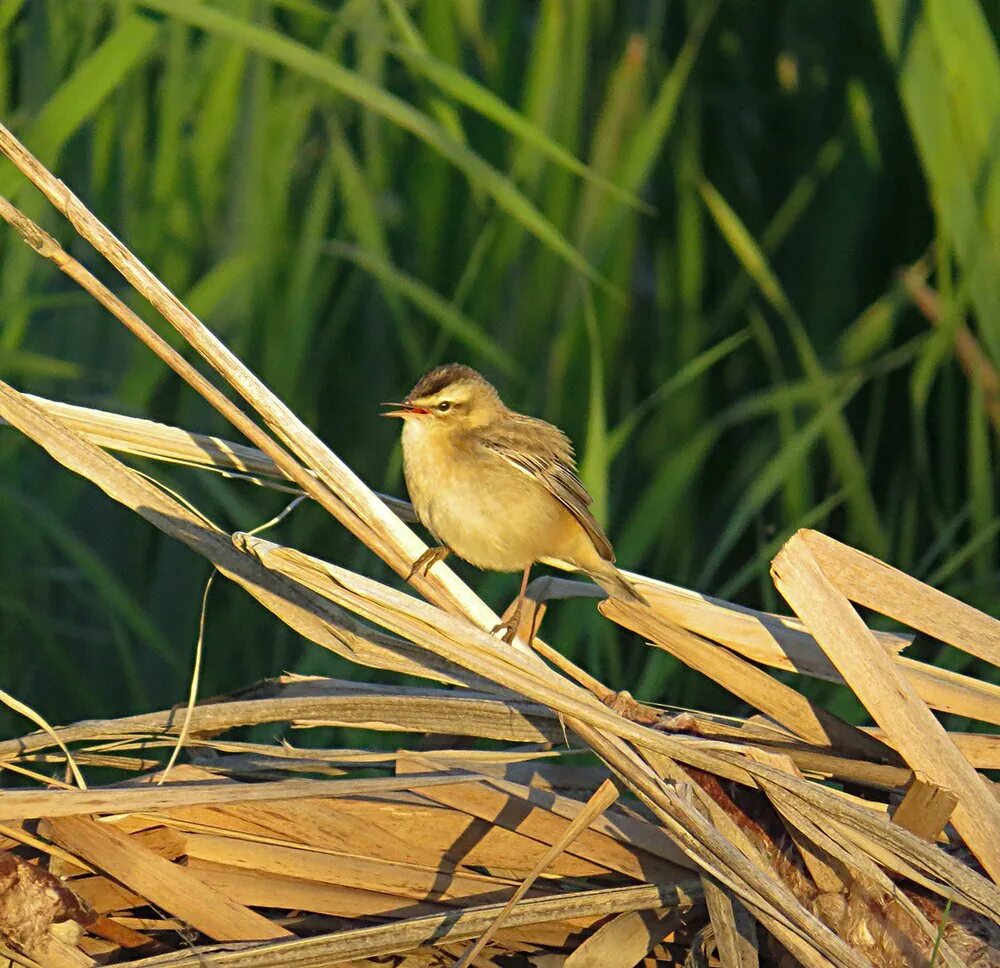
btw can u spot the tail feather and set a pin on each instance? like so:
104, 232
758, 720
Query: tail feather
616, 584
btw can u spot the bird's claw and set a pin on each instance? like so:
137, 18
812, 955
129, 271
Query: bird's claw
423, 564
509, 629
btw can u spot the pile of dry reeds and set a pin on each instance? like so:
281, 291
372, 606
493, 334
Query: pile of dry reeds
789, 838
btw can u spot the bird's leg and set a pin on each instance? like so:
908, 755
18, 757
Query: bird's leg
510, 625
428, 558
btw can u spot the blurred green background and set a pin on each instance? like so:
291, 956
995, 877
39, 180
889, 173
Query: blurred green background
678, 229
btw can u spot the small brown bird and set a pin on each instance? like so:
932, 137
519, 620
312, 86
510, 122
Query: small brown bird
497, 487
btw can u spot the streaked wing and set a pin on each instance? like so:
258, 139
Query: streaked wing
544, 453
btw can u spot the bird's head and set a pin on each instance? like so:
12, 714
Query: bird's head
449, 398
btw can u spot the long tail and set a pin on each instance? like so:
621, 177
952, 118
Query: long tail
616, 584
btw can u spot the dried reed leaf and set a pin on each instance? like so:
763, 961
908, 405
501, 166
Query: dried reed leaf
403, 709
864, 579
169, 886
769, 900
28, 804
158, 441
411, 832
631, 831
104, 895
468, 647
19, 707
531, 820
264, 889
623, 941
784, 643
348, 870
779, 701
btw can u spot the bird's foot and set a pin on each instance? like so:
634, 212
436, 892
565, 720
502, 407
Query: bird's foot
430, 557
508, 627
623, 704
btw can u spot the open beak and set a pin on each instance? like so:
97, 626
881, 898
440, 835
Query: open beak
403, 410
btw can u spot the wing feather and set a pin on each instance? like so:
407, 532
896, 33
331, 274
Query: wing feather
544, 453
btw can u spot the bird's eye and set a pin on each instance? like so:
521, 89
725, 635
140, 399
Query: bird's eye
444, 406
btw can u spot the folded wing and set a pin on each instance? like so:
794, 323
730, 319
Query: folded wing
544, 452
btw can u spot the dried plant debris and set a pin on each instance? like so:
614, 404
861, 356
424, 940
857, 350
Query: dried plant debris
414, 866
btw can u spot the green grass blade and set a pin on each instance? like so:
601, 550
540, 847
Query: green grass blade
466, 90
649, 136
770, 478
309, 63
843, 447
684, 377
105, 585
595, 468
445, 112
948, 67
79, 96
423, 297
9, 9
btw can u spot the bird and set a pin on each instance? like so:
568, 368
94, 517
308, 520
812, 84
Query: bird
496, 487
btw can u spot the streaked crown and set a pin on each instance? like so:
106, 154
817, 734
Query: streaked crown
457, 391
451, 376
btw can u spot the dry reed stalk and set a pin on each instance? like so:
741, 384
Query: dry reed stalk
810, 588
